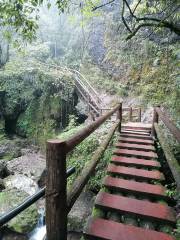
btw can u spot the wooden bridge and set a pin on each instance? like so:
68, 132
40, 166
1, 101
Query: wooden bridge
133, 204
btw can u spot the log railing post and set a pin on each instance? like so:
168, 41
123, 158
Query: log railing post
119, 116
139, 114
155, 120
56, 194
130, 114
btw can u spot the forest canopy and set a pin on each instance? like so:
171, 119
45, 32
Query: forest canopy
20, 17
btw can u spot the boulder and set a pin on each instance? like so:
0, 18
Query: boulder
21, 182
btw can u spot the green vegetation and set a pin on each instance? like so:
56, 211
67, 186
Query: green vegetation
84, 152
33, 100
24, 222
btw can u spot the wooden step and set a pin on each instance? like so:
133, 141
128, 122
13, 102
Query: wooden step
129, 161
137, 188
136, 140
135, 133
135, 146
135, 136
98, 228
136, 130
135, 173
137, 126
141, 208
127, 152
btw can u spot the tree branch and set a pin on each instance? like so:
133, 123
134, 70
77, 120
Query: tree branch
161, 22
136, 6
123, 19
103, 5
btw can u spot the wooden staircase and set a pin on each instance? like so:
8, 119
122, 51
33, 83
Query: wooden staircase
88, 94
133, 192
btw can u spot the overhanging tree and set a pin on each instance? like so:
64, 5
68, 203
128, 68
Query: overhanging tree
22, 15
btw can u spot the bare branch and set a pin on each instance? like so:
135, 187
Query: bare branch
123, 19
136, 6
103, 5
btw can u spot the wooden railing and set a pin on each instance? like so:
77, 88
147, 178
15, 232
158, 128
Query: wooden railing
158, 132
131, 110
59, 201
84, 89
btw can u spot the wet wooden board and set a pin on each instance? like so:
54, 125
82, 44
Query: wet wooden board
135, 136
136, 146
134, 153
135, 173
140, 208
101, 229
130, 161
137, 188
136, 140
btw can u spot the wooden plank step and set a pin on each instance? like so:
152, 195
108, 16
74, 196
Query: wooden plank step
141, 208
129, 161
135, 173
135, 136
137, 188
128, 152
136, 130
98, 228
136, 140
135, 133
135, 146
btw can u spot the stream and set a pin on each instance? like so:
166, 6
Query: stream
40, 231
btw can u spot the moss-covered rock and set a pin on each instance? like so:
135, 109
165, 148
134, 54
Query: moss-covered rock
35, 102
25, 221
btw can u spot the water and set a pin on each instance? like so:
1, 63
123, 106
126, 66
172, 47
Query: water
40, 231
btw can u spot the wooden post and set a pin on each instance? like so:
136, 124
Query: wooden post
130, 114
139, 114
56, 194
155, 120
119, 116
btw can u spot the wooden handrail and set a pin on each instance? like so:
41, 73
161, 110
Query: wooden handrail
86, 131
169, 124
88, 169
171, 160
56, 188
85, 98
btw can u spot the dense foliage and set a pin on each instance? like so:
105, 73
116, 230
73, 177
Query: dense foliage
22, 16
